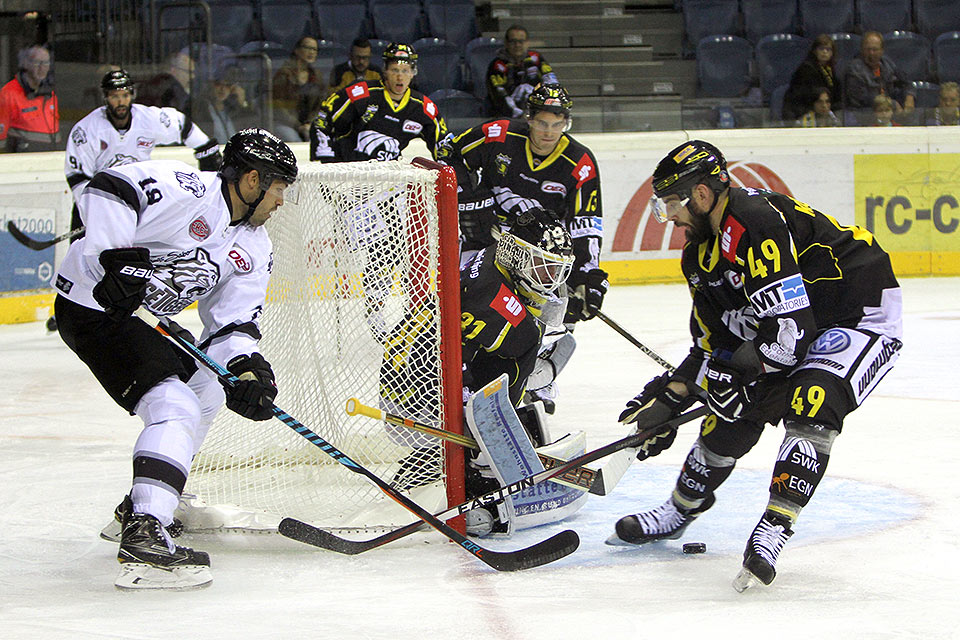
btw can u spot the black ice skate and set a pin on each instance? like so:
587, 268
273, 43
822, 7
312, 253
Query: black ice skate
763, 548
111, 532
666, 522
149, 559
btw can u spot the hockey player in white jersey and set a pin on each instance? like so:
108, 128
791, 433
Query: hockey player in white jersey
161, 234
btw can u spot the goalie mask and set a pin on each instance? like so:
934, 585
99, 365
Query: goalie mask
269, 155
537, 251
692, 163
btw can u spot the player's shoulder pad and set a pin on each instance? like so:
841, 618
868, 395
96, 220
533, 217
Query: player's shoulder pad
430, 108
252, 250
495, 130
358, 91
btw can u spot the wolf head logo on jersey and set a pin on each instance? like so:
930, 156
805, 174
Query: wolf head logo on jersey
190, 182
121, 159
79, 136
180, 279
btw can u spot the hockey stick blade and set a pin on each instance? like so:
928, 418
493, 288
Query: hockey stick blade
318, 537
40, 245
553, 548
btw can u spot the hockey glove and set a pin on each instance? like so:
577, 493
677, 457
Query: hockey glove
727, 393
477, 218
252, 397
587, 289
124, 284
208, 156
656, 404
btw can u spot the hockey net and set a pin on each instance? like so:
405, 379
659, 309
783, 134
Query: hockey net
363, 301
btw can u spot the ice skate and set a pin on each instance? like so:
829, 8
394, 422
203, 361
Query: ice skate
111, 532
149, 559
666, 522
763, 548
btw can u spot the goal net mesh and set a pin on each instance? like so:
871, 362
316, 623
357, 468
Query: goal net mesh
353, 310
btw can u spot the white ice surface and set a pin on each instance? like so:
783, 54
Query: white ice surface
875, 555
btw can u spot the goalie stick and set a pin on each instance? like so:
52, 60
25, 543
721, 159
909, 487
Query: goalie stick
553, 548
581, 478
40, 245
318, 537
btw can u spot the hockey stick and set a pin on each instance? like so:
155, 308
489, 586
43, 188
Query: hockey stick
639, 345
318, 537
579, 478
40, 245
553, 548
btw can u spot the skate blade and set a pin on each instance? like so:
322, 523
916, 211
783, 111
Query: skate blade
744, 580
617, 541
136, 576
111, 532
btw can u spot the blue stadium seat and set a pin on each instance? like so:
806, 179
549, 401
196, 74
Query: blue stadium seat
776, 104
910, 52
397, 20
341, 21
459, 109
232, 22
935, 17
826, 16
766, 17
702, 18
286, 21
927, 94
723, 66
946, 56
778, 56
848, 48
377, 47
274, 50
438, 66
329, 55
884, 15
451, 20
479, 53
177, 27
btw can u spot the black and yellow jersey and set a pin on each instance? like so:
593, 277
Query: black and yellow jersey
362, 122
777, 272
567, 181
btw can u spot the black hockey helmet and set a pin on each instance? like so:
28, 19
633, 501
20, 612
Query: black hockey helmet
399, 52
537, 250
552, 97
115, 80
692, 163
261, 150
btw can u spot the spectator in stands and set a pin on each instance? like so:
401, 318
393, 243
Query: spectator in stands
948, 109
29, 111
357, 68
815, 73
872, 74
172, 87
298, 91
818, 113
514, 73
225, 109
883, 112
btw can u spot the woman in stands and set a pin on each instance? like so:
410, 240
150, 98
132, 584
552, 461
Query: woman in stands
816, 72
819, 113
298, 91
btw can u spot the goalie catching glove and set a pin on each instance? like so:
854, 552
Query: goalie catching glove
124, 284
252, 397
656, 404
587, 289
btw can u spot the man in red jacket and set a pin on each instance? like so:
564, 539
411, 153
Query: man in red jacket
29, 113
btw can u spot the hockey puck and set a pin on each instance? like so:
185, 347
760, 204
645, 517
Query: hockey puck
694, 547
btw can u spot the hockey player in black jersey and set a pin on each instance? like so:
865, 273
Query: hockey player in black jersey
795, 318
505, 167
162, 235
368, 122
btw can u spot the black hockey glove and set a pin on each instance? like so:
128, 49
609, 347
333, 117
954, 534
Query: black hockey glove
124, 284
587, 289
656, 404
253, 396
727, 391
477, 219
208, 156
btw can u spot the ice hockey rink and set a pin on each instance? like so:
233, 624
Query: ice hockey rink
875, 555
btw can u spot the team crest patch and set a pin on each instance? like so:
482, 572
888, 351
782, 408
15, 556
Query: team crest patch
240, 260
121, 159
190, 182
103, 145
79, 136
369, 113
164, 119
503, 163
144, 143
199, 229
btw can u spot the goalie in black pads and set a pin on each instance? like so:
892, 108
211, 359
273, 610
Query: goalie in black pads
162, 235
795, 318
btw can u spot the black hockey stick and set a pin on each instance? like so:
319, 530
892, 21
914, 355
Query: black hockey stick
318, 537
40, 245
553, 548
639, 345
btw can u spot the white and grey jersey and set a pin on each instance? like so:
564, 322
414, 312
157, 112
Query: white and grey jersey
182, 217
95, 144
